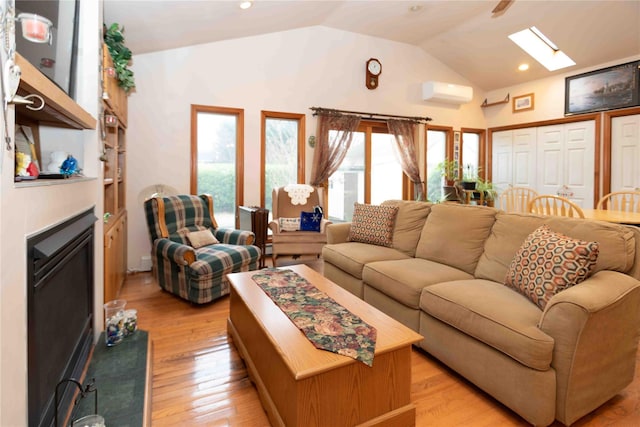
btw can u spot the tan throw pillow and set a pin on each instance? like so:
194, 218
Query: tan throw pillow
373, 224
289, 224
201, 238
550, 262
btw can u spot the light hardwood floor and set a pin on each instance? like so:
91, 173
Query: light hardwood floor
200, 380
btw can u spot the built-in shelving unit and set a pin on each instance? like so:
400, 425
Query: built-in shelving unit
114, 102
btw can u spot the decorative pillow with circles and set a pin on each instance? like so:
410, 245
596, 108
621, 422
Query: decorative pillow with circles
289, 224
373, 224
548, 263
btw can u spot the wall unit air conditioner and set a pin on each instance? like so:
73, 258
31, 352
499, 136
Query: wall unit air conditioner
446, 92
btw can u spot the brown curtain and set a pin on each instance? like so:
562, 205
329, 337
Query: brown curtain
330, 151
404, 132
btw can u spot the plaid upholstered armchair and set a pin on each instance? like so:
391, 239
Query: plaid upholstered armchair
190, 254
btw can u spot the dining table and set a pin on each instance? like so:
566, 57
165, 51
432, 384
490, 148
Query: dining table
619, 217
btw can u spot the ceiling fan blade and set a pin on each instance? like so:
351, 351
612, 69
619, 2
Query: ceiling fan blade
502, 6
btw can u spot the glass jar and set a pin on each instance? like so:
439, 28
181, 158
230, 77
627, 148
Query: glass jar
114, 321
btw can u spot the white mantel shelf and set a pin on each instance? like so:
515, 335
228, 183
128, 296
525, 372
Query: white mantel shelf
48, 182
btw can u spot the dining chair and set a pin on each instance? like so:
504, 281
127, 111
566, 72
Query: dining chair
549, 204
625, 201
516, 199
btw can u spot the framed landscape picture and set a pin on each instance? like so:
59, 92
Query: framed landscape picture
606, 89
523, 103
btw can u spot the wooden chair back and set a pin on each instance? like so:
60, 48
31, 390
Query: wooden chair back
626, 201
516, 199
548, 204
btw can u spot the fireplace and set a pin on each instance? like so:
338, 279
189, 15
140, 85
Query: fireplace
60, 281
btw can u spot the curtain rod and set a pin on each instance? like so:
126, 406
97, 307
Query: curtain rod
373, 116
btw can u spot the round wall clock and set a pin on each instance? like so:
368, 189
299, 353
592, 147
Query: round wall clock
374, 69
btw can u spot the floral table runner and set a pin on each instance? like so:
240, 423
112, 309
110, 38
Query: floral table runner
328, 325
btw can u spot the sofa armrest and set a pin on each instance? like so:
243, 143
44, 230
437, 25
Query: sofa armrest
176, 252
324, 223
232, 236
595, 326
338, 233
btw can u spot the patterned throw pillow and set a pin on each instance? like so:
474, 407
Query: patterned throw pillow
373, 224
201, 238
550, 262
289, 224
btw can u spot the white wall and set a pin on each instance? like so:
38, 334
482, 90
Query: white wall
287, 71
25, 211
548, 95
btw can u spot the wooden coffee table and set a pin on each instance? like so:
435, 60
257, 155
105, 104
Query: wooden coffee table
300, 385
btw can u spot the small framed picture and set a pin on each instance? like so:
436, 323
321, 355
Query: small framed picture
523, 103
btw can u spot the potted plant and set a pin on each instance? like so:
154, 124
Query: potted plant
448, 170
490, 193
469, 177
121, 56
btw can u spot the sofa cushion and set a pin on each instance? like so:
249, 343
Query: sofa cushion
493, 314
352, 256
409, 223
404, 279
373, 224
548, 263
455, 234
616, 242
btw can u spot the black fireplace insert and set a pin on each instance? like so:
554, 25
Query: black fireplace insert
60, 281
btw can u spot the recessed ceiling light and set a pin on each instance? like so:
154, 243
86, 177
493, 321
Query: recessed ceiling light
415, 8
246, 4
523, 67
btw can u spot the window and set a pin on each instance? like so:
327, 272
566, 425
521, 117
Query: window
473, 152
438, 150
216, 159
282, 152
369, 173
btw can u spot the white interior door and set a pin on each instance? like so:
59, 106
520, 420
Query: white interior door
579, 161
502, 160
550, 153
566, 156
625, 153
524, 157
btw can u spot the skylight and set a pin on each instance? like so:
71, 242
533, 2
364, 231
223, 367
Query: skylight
541, 49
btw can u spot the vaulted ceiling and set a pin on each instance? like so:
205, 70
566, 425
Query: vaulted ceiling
464, 35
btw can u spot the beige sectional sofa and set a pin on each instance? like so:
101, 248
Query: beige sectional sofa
444, 278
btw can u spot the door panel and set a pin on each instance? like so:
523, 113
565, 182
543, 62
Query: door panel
502, 160
524, 157
625, 153
579, 166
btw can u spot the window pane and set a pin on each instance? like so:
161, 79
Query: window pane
386, 172
281, 155
217, 136
346, 185
436, 153
470, 154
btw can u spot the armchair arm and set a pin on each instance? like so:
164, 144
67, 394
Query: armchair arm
338, 233
231, 236
176, 252
595, 326
274, 226
324, 223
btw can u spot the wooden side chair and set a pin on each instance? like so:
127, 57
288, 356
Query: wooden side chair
548, 204
625, 201
516, 199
